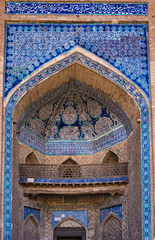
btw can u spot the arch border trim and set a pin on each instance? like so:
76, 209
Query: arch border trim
128, 87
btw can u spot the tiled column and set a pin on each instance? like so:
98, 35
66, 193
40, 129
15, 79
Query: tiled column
2, 35
152, 87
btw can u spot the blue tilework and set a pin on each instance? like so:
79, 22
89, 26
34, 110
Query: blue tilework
74, 147
91, 129
29, 46
128, 87
34, 211
77, 8
80, 180
79, 107
115, 209
80, 215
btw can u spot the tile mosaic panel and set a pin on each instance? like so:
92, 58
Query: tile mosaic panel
82, 121
80, 215
75, 147
128, 87
35, 212
29, 46
77, 8
115, 209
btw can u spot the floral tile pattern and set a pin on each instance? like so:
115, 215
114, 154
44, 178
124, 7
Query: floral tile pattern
29, 46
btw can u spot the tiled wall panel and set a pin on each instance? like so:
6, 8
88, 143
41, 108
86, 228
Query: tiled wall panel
115, 210
29, 46
33, 211
80, 215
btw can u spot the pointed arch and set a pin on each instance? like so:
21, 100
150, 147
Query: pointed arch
110, 158
69, 161
111, 214
74, 229
77, 53
31, 159
130, 88
71, 219
31, 226
69, 169
33, 218
112, 228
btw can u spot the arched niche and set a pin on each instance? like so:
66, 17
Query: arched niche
69, 169
73, 119
114, 92
112, 228
31, 159
69, 161
31, 228
110, 158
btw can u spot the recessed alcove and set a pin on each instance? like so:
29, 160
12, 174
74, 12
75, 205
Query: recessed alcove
101, 171
31, 159
73, 119
111, 158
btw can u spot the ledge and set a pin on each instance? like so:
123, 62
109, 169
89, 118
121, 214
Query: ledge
112, 185
73, 181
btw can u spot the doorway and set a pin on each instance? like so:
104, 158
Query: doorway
69, 233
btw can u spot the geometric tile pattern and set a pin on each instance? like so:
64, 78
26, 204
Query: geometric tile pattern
116, 210
35, 212
77, 8
80, 215
120, 81
31, 45
86, 180
77, 123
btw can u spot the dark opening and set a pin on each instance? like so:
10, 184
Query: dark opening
69, 238
69, 233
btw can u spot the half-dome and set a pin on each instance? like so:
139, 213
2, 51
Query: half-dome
73, 119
